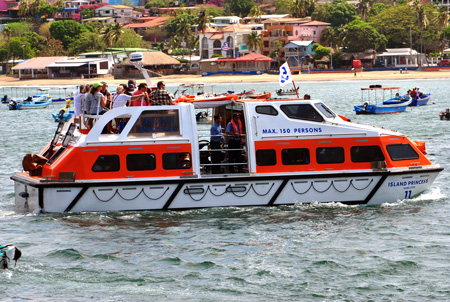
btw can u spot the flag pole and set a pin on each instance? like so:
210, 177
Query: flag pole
296, 91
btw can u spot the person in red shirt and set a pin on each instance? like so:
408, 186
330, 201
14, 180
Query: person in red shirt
142, 89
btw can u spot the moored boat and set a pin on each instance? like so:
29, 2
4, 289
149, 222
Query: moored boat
375, 102
282, 92
296, 151
421, 100
264, 95
32, 102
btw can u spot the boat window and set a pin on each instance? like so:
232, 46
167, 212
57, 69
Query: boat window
268, 110
332, 155
302, 112
366, 154
401, 152
106, 163
299, 156
156, 122
177, 161
141, 162
325, 110
266, 157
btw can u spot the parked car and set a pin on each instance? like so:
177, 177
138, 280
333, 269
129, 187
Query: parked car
444, 62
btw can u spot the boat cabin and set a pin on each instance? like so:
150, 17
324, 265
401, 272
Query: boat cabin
167, 141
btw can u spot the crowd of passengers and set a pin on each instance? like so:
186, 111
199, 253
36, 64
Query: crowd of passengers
96, 99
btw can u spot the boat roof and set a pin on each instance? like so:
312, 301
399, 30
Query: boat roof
380, 88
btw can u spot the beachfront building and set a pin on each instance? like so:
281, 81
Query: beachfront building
61, 67
156, 62
299, 53
252, 63
367, 58
286, 30
35, 68
402, 57
229, 42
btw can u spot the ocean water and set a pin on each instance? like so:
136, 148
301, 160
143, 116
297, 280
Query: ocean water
392, 252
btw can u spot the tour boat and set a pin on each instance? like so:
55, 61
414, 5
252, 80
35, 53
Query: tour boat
294, 151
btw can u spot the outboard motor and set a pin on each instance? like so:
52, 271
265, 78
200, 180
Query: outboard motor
12, 104
364, 107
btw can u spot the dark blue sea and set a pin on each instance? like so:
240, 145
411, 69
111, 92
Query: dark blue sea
392, 252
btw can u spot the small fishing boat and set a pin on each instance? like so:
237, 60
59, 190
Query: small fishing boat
421, 100
375, 102
244, 93
8, 253
36, 101
264, 95
281, 92
66, 96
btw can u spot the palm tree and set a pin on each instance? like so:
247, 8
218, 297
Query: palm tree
24, 8
112, 34
422, 21
203, 21
254, 41
441, 20
7, 33
278, 52
363, 8
255, 13
300, 8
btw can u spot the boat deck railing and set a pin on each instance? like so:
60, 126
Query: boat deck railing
206, 164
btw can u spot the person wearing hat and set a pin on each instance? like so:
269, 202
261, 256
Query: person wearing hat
235, 133
142, 92
161, 96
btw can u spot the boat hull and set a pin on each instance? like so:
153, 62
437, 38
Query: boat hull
420, 101
382, 108
369, 187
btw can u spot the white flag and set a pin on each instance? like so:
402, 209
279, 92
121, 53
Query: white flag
285, 75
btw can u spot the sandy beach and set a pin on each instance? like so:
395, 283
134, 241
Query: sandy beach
298, 78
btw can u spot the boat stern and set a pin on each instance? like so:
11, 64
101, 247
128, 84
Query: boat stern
26, 196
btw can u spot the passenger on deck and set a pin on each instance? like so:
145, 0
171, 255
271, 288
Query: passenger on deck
78, 103
107, 94
234, 131
306, 97
161, 96
141, 92
216, 142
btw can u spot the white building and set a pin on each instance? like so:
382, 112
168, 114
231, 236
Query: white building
121, 13
402, 57
221, 22
230, 42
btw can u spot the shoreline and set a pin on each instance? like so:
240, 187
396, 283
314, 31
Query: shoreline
298, 78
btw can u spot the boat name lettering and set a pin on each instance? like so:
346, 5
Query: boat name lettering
289, 130
158, 124
407, 183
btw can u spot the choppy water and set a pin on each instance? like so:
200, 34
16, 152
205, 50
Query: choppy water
396, 252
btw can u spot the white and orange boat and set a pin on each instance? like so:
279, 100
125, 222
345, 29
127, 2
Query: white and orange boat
296, 151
